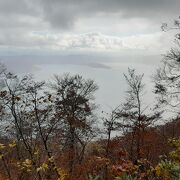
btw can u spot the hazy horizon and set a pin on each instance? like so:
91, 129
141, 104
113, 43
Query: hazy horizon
96, 39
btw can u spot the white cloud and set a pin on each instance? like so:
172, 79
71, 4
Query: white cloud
87, 42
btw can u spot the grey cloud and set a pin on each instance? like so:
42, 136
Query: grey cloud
19, 7
20, 18
64, 13
20, 14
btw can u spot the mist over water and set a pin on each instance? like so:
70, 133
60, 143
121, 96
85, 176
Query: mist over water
106, 71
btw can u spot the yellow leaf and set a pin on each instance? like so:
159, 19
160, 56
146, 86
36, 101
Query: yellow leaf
36, 152
51, 159
13, 144
1, 156
39, 169
27, 163
2, 146
44, 166
62, 173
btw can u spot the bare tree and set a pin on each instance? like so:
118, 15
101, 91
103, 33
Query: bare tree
110, 123
74, 108
31, 121
132, 115
167, 77
12, 96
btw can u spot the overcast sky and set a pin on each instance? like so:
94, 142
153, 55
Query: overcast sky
83, 36
56, 25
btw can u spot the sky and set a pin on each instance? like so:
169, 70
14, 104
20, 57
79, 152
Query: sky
98, 39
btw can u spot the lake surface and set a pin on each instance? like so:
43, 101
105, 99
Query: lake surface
106, 71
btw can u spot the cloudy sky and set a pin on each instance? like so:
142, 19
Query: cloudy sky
102, 37
54, 25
